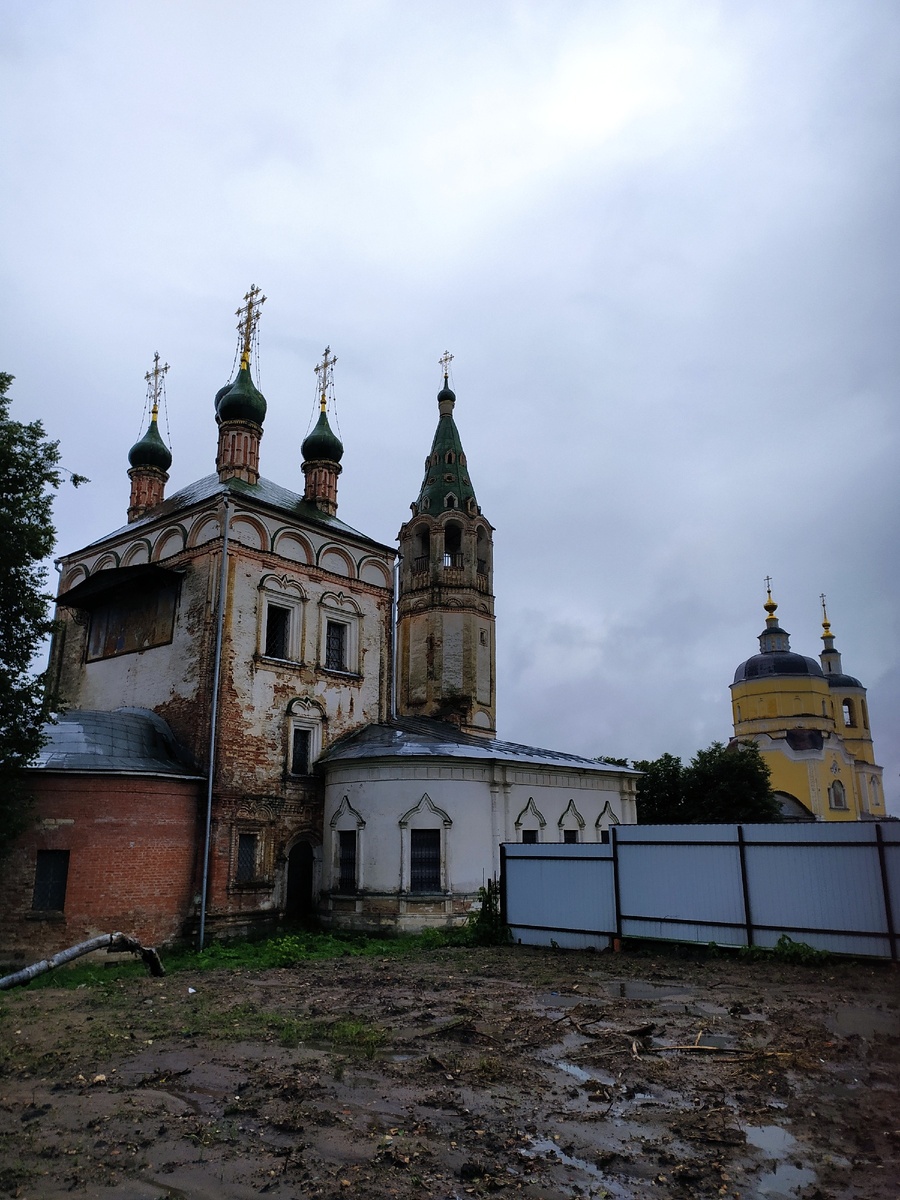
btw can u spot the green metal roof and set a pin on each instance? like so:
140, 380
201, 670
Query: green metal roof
446, 472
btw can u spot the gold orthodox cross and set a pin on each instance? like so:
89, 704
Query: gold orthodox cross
155, 380
248, 319
445, 360
325, 374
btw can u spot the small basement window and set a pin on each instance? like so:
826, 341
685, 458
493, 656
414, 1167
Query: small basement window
51, 875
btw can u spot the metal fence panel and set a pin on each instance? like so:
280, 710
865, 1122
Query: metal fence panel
834, 887
698, 884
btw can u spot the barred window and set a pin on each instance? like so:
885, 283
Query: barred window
425, 860
51, 874
347, 860
335, 646
278, 628
247, 856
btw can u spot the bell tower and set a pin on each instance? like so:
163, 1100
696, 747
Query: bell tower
446, 657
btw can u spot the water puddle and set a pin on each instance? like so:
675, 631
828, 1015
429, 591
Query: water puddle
580, 1075
785, 1178
851, 1020
546, 1147
642, 989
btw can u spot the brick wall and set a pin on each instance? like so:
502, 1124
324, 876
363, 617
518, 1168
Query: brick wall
132, 850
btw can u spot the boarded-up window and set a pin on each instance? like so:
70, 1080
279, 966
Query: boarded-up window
51, 874
133, 621
347, 860
425, 860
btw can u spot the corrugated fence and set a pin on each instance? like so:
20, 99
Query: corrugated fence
833, 886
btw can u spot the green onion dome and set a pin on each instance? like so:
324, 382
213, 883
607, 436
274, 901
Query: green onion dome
243, 401
223, 391
151, 450
321, 443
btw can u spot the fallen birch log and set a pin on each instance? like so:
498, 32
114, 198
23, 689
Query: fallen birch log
113, 942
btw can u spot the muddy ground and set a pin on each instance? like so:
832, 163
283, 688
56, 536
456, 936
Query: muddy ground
511, 1072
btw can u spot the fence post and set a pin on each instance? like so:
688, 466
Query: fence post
745, 889
503, 883
614, 841
886, 892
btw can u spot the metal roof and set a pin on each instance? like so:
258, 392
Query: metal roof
127, 741
264, 492
406, 737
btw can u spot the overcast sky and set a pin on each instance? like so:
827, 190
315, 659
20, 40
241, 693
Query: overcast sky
661, 241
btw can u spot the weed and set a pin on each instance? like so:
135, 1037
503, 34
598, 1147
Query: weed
785, 950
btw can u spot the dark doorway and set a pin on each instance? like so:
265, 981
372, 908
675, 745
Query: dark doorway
298, 900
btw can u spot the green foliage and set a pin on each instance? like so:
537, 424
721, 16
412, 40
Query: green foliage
28, 479
485, 926
720, 785
786, 950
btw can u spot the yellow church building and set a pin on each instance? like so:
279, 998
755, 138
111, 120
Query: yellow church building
811, 724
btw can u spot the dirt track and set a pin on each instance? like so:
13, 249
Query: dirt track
454, 1073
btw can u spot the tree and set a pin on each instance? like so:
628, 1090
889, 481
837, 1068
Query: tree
730, 784
721, 785
28, 479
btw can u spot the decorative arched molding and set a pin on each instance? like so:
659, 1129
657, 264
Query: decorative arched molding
249, 532
205, 529
306, 706
607, 817
170, 542
137, 553
336, 560
284, 584
425, 810
373, 570
106, 562
530, 813
571, 817
75, 575
347, 817
482, 720
290, 544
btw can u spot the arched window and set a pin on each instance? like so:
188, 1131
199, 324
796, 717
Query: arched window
423, 549
837, 797
449, 457
449, 500
453, 544
848, 713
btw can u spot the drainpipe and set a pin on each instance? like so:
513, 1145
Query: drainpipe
213, 721
395, 616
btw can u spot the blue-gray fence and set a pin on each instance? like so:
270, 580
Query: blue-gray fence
833, 886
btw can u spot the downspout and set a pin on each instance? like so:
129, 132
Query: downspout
213, 722
395, 617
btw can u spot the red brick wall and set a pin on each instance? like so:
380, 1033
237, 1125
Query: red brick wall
132, 849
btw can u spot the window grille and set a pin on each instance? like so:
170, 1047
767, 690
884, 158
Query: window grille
425, 860
347, 860
247, 852
335, 646
278, 626
51, 874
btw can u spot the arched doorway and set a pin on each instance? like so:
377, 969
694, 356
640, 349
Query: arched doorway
298, 896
